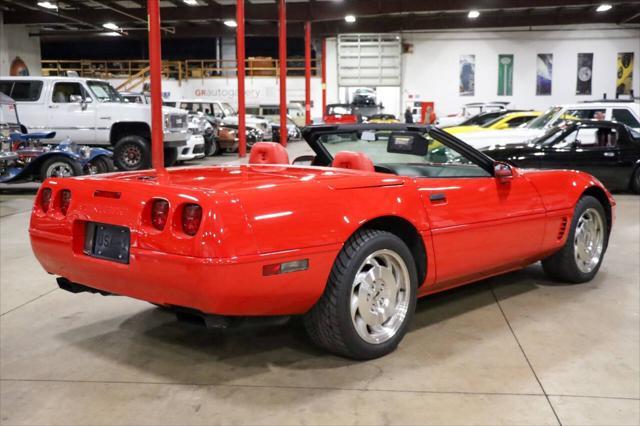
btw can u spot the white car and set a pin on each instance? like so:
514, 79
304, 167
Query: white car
620, 111
225, 112
469, 110
195, 147
92, 112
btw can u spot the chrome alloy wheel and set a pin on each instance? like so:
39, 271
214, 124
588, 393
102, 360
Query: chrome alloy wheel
59, 169
588, 241
380, 296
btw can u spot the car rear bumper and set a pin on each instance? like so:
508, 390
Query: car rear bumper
233, 287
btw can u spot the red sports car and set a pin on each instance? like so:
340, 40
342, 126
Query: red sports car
384, 214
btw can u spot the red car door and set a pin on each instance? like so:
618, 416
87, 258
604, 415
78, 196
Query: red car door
481, 225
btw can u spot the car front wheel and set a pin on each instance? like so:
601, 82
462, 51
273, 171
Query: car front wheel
369, 299
581, 256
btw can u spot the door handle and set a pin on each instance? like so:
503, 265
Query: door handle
438, 198
53, 106
609, 154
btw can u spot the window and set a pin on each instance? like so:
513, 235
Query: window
62, 92
440, 159
581, 114
104, 91
626, 117
517, 121
22, 91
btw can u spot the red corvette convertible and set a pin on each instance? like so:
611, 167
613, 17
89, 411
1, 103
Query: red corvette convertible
382, 215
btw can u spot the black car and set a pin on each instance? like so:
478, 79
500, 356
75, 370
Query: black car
608, 150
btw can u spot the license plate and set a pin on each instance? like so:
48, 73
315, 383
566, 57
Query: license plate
108, 242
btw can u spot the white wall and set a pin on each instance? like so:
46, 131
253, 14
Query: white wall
258, 90
432, 70
15, 41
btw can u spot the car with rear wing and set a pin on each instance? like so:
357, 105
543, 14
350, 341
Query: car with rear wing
384, 214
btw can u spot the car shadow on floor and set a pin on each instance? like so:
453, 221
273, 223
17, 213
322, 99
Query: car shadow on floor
154, 343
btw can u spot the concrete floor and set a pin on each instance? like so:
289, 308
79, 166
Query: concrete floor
515, 349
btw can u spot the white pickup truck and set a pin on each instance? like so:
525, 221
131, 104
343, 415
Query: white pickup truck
91, 112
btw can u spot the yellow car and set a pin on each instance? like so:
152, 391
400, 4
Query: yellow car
507, 121
383, 118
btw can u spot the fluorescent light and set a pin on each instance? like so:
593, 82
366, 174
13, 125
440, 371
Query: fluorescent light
111, 26
47, 5
231, 23
350, 19
473, 14
112, 34
603, 7
191, 2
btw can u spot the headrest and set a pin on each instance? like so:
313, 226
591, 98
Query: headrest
353, 160
268, 153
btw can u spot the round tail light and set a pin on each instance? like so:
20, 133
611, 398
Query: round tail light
159, 214
65, 200
45, 199
191, 218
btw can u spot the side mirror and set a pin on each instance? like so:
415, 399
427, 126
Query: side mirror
503, 172
502, 126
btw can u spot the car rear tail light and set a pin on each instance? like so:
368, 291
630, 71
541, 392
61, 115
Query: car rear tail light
45, 199
159, 214
191, 217
65, 200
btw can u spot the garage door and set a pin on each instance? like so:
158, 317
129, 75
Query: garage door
369, 59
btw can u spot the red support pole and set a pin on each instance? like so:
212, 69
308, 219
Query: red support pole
307, 72
324, 75
282, 43
240, 59
155, 71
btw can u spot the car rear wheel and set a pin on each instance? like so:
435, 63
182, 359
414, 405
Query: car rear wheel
581, 256
369, 299
59, 166
132, 153
635, 181
101, 164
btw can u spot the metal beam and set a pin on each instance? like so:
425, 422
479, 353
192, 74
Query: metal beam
282, 44
240, 54
155, 71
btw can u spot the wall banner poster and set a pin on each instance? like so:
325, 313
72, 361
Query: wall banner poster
505, 75
585, 73
624, 80
544, 73
467, 75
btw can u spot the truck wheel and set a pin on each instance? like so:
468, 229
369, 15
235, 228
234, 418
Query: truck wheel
59, 166
580, 258
369, 299
132, 153
170, 157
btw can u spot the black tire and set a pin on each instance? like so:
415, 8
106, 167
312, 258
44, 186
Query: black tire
59, 163
170, 157
132, 153
635, 181
562, 265
211, 146
329, 323
101, 164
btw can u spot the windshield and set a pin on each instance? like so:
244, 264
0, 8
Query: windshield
228, 109
338, 109
549, 137
439, 160
541, 121
104, 91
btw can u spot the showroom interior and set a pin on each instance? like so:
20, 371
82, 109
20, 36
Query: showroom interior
446, 231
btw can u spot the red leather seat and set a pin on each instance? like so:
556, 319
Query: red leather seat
353, 160
268, 153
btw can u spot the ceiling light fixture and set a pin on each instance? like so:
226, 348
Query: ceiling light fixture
47, 5
111, 26
191, 2
603, 8
112, 34
231, 23
350, 19
473, 14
